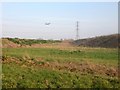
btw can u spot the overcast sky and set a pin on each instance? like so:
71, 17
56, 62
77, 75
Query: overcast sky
27, 20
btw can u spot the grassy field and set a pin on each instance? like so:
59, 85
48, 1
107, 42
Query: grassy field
76, 67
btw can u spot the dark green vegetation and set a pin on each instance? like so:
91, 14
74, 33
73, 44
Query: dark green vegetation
60, 68
109, 41
30, 41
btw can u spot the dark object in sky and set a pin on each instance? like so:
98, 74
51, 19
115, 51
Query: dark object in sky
47, 23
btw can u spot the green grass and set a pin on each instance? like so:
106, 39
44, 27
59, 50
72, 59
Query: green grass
16, 76
101, 54
31, 41
63, 55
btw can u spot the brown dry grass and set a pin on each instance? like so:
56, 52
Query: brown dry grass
84, 67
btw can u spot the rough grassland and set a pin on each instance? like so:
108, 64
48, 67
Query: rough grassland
74, 67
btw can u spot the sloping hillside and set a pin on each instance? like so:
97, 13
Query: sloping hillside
8, 44
16, 42
108, 41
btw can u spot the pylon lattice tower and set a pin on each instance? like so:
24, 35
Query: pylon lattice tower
77, 31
